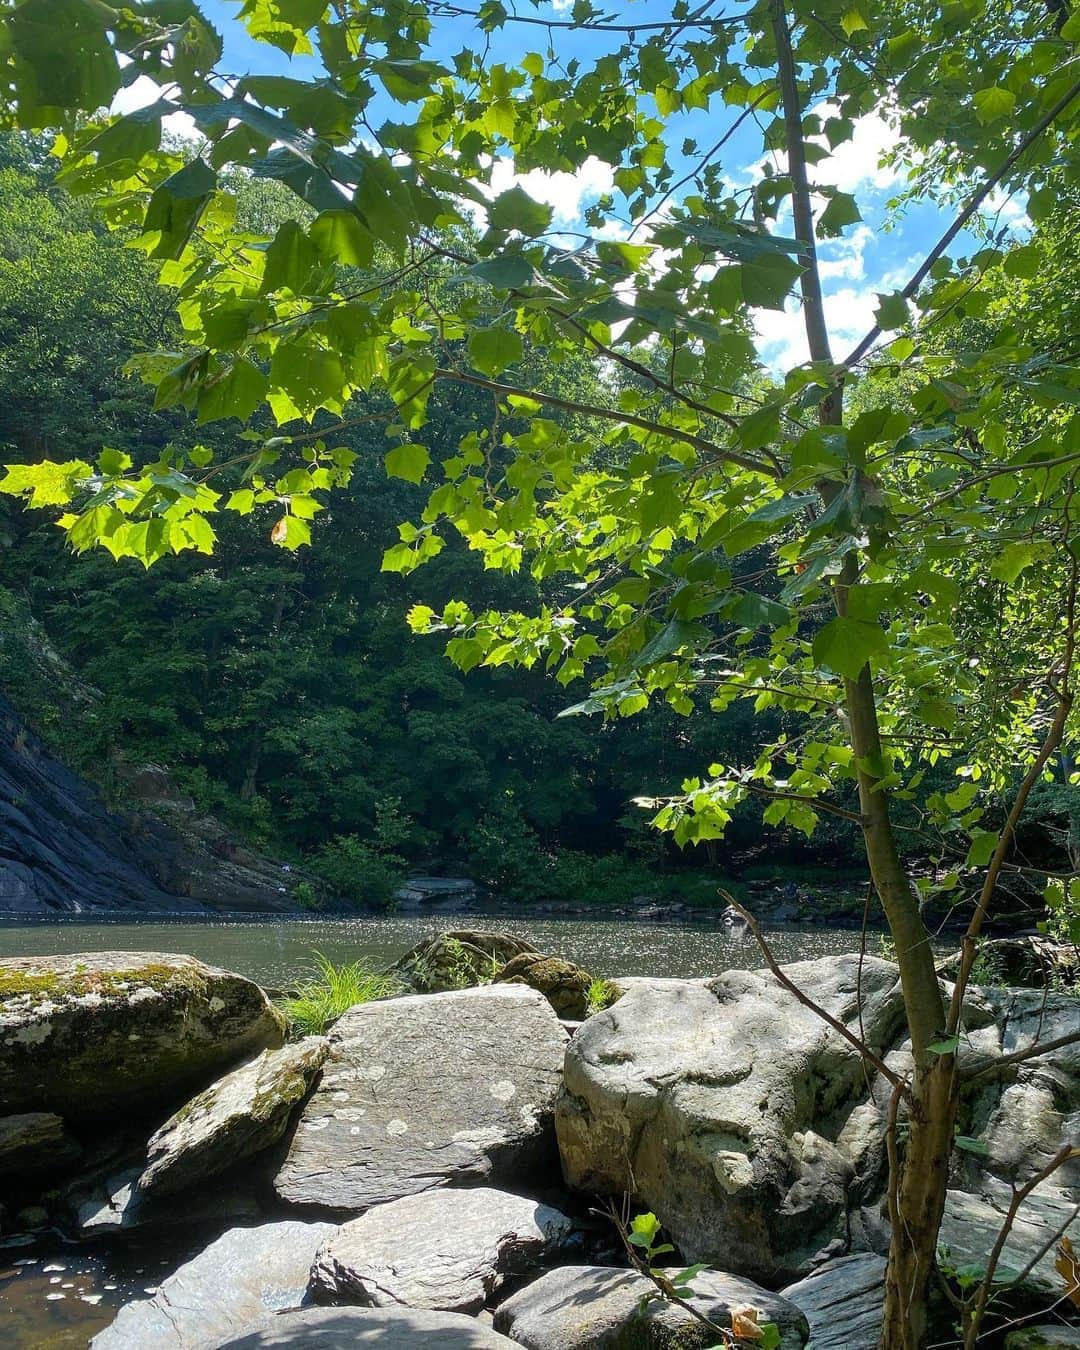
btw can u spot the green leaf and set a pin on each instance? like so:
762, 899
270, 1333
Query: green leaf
290, 259
339, 237
237, 393
970, 1145
408, 461
291, 533
946, 1046
758, 611
516, 210
506, 271
983, 843
841, 211
852, 22
892, 312
993, 104
846, 645
1014, 558
174, 209
67, 58
491, 350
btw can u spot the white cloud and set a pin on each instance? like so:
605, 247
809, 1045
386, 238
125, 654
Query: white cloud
141, 93
566, 193
857, 163
844, 259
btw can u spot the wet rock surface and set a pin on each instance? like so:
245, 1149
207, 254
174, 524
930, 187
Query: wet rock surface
448, 1249
239, 1281
425, 1091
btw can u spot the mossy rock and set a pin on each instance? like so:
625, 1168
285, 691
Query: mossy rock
95, 1035
564, 985
460, 959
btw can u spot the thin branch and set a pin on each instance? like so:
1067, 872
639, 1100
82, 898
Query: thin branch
1062, 1156
453, 11
609, 414
805, 999
1032, 1051
974, 202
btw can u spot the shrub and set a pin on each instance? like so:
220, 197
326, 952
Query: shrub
321, 1000
356, 870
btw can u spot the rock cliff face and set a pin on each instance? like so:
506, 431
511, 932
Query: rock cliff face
63, 851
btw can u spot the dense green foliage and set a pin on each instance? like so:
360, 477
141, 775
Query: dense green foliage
284, 691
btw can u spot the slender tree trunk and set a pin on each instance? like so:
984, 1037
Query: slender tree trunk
918, 1172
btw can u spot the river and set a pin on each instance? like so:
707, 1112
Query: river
55, 1294
274, 952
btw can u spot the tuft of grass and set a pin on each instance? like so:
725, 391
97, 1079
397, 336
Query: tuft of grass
600, 994
333, 990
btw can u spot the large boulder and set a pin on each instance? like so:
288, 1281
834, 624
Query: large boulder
722, 1105
457, 960
376, 1328
33, 1142
428, 1090
101, 1034
564, 985
444, 1249
843, 1301
971, 1224
601, 1308
235, 1117
231, 1287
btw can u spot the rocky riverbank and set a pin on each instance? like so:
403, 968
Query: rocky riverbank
431, 1170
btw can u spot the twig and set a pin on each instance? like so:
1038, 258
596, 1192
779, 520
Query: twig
805, 999
1062, 1156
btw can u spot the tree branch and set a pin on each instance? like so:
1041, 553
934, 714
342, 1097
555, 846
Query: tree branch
611, 415
974, 202
805, 999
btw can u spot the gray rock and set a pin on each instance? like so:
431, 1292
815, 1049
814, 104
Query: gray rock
98, 1035
225, 1291
446, 1249
843, 1301
115, 1202
36, 1141
379, 1328
235, 1117
599, 1308
720, 1104
424, 1091
971, 1224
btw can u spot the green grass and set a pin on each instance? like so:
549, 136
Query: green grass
600, 994
320, 1001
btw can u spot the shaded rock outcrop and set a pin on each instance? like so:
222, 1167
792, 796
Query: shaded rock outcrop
427, 1090
35, 1141
600, 1308
448, 1249
235, 1117
62, 850
230, 1288
95, 1035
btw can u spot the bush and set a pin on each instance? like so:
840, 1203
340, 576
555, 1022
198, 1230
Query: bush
320, 1001
357, 871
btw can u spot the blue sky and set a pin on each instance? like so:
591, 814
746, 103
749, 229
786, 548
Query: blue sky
871, 257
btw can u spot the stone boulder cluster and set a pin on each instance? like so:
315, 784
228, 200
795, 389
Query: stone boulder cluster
435, 1169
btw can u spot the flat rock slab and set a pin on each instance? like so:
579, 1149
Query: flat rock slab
971, 1223
234, 1118
447, 1249
233, 1286
428, 1090
1046, 1336
843, 1301
93, 1036
599, 1308
377, 1328
35, 1141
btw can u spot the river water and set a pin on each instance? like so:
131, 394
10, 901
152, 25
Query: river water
274, 952
56, 1294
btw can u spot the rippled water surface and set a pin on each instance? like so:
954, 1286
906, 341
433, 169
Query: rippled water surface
273, 951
